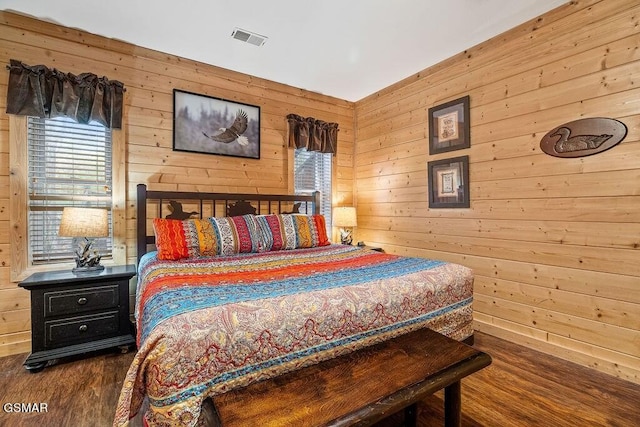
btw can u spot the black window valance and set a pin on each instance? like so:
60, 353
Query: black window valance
312, 134
43, 92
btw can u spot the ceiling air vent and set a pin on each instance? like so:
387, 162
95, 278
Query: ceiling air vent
248, 37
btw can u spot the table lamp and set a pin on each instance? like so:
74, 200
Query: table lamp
85, 223
345, 218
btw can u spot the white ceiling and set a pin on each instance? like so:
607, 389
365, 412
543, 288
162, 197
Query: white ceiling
344, 48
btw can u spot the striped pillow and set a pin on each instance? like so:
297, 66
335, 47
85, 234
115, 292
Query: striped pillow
291, 231
176, 239
229, 235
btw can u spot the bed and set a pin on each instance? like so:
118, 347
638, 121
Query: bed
252, 288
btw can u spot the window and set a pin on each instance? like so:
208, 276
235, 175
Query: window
312, 172
69, 164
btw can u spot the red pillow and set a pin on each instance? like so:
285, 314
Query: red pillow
171, 239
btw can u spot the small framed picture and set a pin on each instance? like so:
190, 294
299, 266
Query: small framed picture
204, 124
449, 183
449, 126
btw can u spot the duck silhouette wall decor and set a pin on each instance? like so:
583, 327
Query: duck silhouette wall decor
583, 137
568, 143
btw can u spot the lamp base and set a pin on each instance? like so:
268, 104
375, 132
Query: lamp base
87, 261
88, 270
346, 238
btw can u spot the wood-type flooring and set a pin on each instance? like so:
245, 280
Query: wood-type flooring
521, 387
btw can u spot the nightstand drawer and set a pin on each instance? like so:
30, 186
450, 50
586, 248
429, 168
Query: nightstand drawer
74, 301
80, 329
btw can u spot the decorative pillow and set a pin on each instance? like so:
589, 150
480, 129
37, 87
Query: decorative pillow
174, 239
291, 231
271, 233
321, 228
177, 239
230, 235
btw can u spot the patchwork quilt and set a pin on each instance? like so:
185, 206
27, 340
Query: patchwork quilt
207, 325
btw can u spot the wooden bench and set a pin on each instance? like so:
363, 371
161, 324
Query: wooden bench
359, 388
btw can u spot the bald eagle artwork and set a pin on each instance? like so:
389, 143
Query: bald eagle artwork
233, 132
204, 124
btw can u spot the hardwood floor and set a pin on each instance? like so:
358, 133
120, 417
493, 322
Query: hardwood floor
520, 388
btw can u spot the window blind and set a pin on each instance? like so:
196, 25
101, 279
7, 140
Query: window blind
312, 172
69, 164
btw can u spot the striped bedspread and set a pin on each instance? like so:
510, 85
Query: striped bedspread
208, 325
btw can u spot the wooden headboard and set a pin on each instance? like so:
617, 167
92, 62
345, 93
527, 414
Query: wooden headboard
183, 205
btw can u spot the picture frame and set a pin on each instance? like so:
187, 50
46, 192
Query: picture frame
210, 125
449, 183
449, 126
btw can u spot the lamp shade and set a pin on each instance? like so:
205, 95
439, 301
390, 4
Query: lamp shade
345, 216
84, 222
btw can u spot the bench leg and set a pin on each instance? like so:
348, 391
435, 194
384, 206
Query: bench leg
452, 405
411, 415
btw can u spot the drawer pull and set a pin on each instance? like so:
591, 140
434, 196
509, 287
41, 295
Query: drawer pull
83, 328
82, 301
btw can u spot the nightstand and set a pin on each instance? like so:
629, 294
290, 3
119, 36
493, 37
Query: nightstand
77, 313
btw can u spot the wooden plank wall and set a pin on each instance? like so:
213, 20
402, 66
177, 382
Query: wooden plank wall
150, 77
555, 243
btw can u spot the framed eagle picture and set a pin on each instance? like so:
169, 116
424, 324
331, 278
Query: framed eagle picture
205, 124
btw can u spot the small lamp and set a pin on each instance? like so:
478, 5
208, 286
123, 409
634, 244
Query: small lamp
345, 218
86, 223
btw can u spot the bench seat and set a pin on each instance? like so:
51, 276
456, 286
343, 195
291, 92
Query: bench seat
358, 388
